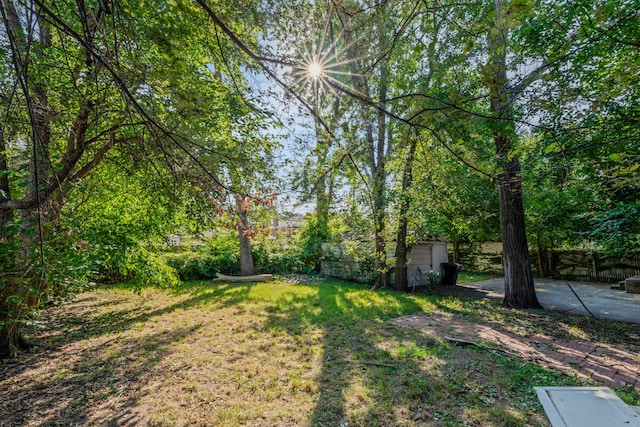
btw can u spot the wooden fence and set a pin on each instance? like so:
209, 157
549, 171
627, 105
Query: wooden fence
580, 265
570, 265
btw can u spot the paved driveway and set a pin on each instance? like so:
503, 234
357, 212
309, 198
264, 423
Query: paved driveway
598, 300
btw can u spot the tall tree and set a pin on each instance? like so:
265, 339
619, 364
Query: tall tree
589, 140
402, 245
518, 278
88, 79
370, 77
508, 63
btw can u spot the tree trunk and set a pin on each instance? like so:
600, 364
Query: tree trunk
402, 279
246, 259
378, 196
519, 288
12, 303
541, 260
518, 279
17, 297
11, 340
322, 193
378, 164
377, 145
545, 258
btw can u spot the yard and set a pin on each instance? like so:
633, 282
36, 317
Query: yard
292, 352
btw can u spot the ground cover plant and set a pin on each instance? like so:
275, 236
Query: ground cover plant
293, 352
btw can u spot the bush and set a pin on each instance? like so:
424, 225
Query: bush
278, 256
219, 254
191, 265
150, 269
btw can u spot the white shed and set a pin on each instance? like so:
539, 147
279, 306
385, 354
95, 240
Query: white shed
426, 255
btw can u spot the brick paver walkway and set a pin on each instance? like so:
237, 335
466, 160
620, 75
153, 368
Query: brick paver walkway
602, 363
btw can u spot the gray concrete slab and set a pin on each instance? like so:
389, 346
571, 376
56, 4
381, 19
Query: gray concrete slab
586, 407
565, 296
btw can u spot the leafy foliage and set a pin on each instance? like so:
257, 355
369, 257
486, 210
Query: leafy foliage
616, 231
220, 254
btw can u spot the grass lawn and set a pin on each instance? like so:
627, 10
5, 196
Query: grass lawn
470, 276
276, 354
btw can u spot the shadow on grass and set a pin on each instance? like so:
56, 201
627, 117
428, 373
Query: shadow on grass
374, 372
108, 377
75, 327
195, 294
349, 353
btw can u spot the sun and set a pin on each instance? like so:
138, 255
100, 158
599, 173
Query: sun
322, 65
315, 70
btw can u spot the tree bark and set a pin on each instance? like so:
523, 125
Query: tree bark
518, 279
402, 279
246, 259
11, 340
519, 287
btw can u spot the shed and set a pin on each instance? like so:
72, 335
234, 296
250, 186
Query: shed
426, 255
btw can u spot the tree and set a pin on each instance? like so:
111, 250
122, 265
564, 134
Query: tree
507, 62
90, 80
378, 135
31, 129
402, 247
519, 288
355, 133
588, 138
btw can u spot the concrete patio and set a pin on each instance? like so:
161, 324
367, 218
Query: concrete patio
589, 299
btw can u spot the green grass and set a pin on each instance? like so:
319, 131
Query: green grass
470, 276
322, 354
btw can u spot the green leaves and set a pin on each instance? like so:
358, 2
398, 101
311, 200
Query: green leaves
615, 231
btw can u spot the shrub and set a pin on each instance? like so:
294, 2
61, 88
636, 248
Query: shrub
150, 269
278, 256
219, 254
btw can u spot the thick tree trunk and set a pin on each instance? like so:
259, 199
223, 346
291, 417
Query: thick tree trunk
518, 279
11, 340
519, 288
